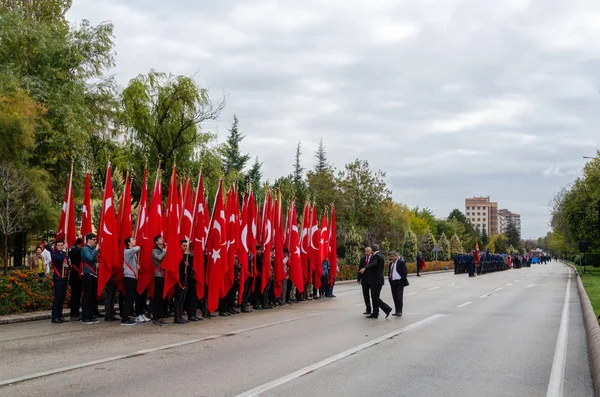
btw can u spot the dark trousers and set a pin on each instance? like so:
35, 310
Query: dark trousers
89, 303
157, 299
109, 303
230, 298
130, 293
378, 303
140, 303
76, 289
288, 291
60, 291
246, 293
190, 299
265, 295
367, 297
257, 294
397, 287
180, 293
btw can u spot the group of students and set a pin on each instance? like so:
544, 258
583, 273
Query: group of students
77, 268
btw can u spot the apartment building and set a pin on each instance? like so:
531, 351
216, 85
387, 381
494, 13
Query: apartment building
482, 212
505, 217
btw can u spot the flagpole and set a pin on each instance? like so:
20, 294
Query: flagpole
69, 198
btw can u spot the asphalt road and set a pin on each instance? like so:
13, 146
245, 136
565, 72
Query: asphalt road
515, 333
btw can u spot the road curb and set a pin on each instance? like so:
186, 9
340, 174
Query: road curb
47, 315
35, 316
592, 330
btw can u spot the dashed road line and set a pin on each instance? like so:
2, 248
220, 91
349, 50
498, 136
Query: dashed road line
464, 304
432, 288
498, 289
486, 295
530, 285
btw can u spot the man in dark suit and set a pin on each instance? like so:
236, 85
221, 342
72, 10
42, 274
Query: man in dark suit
398, 280
373, 275
361, 280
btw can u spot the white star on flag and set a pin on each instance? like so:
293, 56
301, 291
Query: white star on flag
216, 254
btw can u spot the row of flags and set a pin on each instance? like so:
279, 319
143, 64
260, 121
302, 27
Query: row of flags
235, 227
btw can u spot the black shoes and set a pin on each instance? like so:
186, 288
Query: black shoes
387, 314
373, 316
76, 318
397, 314
367, 313
56, 321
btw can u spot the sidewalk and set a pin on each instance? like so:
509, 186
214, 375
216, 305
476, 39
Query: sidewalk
47, 315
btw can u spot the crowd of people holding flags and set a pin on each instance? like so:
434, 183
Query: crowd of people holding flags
242, 254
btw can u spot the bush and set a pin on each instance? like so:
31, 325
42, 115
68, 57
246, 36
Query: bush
349, 272
23, 291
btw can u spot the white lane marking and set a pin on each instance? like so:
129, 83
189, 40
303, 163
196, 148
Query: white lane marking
145, 351
410, 293
464, 304
509, 284
486, 295
557, 375
432, 288
360, 304
303, 371
516, 281
451, 283
498, 289
530, 285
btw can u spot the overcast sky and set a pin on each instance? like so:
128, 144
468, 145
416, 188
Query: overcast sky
451, 98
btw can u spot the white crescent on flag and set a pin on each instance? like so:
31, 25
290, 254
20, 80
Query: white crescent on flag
106, 230
107, 204
312, 232
268, 226
245, 238
302, 236
187, 214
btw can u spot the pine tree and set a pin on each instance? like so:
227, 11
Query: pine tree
428, 246
233, 161
444, 254
455, 245
298, 170
300, 187
410, 248
513, 236
322, 164
255, 175
484, 238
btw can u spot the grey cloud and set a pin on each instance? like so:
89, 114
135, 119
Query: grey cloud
458, 98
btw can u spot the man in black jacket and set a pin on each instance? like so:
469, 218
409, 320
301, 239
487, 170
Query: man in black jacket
373, 275
398, 280
75, 280
365, 287
60, 267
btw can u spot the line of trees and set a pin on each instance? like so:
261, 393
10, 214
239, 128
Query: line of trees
59, 103
575, 213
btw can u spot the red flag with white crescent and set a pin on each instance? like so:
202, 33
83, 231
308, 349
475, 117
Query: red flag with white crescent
296, 274
216, 244
107, 235
86, 209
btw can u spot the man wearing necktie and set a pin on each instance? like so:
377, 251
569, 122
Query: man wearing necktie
398, 280
364, 261
373, 275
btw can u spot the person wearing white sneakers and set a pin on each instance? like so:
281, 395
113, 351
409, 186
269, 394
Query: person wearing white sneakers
130, 270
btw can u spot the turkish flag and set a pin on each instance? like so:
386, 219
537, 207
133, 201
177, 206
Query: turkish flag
107, 235
125, 227
187, 219
174, 255
145, 272
155, 222
296, 274
267, 241
216, 246
304, 243
252, 232
232, 217
199, 237
67, 229
86, 210
288, 228
324, 239
332, 248
243, 251
278, 266
314, 255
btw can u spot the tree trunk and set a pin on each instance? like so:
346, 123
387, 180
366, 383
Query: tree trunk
5, 254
